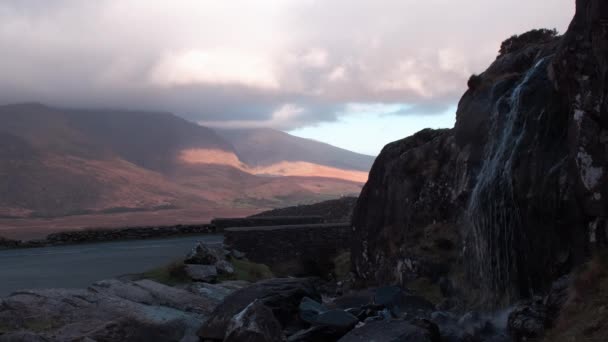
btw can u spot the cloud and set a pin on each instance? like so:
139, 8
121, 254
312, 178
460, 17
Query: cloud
282, 63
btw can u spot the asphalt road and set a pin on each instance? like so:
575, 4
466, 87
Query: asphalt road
77, 266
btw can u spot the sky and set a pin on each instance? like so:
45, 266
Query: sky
354, 73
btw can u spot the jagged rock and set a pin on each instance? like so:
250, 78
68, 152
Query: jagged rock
205, 273
391, 331
519, 182
281, 295
310, 309
256, 323
152, 293
528, 320
216, 292
224, 267
23, 336
206, 254
557, 297
67, 315
237, 254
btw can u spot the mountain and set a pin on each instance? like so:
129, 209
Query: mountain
513, 197
59, 162
265, 146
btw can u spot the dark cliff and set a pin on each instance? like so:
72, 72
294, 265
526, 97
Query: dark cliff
516, 193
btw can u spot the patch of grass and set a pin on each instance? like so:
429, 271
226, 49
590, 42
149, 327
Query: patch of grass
425, 288
4, 328
39, 325
584, 316
248, 271
171, 274
342, 266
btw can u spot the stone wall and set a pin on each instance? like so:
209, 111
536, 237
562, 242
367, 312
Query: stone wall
292, 250
101, 235
259, 221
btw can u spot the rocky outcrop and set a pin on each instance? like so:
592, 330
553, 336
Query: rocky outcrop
517, 189
107, 311
282, 296
256, 323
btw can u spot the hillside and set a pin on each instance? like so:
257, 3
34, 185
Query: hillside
65, 162
264, 146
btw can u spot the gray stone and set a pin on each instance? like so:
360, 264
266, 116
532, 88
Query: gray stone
224, 267
256, 323
74, 314
310, 309
527, 320
390, 331
23, 336
237, 254
206, 254
152, 293
338, 319
281, 295
204, 273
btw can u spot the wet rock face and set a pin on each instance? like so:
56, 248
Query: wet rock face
518, 185
410, 190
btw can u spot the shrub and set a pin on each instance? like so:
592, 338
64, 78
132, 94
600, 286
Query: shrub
248, 271
172, 274
518, 42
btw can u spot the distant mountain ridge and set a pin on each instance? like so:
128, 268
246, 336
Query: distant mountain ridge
265, 146
57, 162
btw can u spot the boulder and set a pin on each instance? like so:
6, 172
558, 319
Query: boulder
256, 323
216, 292
391, 331
152, 293
204, 273
224, 267
281, 295
74, 314
317, 333
337, 321
528, 320
206, 254
23, 336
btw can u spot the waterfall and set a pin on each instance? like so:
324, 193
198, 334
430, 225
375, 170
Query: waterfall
493, 216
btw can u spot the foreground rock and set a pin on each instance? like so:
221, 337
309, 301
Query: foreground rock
204, 273
391, 331
108, 311
256, 323
282, 296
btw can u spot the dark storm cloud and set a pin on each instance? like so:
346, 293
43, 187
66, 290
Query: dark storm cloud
283, 63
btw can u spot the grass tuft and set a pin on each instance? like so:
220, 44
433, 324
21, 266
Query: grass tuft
248, 271
172, 274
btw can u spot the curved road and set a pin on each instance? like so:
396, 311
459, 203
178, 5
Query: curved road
81, 265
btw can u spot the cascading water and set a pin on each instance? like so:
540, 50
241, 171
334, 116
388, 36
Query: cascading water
493, 214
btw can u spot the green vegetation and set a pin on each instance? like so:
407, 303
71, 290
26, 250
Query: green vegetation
342, 266
518, 42
425, 288
175, 273
171, 274
584, 317
248, 271
39, 325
